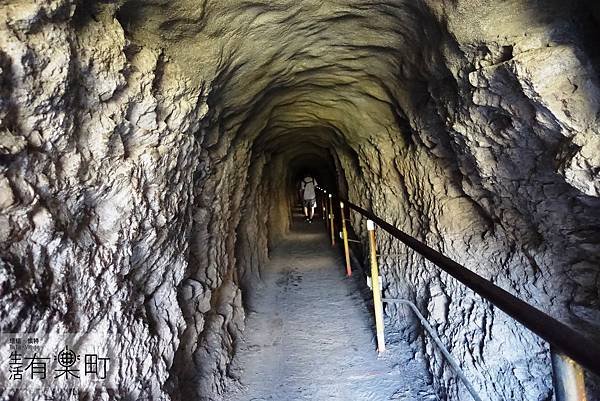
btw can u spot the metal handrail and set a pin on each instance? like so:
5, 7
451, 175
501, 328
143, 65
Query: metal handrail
459, 372
560, 336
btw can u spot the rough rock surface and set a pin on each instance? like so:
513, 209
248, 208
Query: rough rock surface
147, 151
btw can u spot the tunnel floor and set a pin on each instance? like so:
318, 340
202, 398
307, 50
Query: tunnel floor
310, 335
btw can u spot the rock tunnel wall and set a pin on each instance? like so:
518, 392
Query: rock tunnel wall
146, 147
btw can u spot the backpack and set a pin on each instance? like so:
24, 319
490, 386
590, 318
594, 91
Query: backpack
308, 185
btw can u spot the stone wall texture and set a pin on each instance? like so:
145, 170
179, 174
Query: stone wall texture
148, 150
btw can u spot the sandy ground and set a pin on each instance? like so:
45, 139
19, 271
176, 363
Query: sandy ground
311, 336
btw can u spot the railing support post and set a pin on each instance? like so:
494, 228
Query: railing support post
567, 377
345, 237
331, 222
378, 306
326, 209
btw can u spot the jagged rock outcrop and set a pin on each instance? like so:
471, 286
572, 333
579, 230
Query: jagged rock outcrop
148, 150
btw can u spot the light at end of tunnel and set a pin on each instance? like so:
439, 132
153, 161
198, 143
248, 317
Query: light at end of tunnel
342, 205
370, 225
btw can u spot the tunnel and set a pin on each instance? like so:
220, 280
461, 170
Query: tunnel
152, 241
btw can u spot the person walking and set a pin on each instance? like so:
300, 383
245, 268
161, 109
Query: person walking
309, 196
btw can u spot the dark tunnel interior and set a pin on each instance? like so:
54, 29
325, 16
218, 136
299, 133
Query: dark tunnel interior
150, 154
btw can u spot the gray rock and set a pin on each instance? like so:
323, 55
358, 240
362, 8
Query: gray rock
148, 152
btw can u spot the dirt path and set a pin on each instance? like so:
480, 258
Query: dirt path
311, 335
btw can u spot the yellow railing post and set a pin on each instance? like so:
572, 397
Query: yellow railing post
568, 378
326, 208
376, 289
331, 222
345, 236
